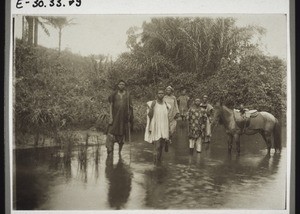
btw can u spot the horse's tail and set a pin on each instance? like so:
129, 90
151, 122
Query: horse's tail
277, 136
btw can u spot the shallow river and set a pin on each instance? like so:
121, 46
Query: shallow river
85, 179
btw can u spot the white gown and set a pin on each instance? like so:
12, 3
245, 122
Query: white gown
159, 126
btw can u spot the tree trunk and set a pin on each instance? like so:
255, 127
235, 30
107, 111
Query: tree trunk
23, 28
30, 30
59, 42
36, 28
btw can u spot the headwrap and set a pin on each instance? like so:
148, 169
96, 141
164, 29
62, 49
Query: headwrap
121, 81
169, 87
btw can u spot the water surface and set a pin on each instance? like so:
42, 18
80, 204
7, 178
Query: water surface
85, 179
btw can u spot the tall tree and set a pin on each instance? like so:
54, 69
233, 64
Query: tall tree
33, 23
195, 45
30, 22
59, 23
38, 21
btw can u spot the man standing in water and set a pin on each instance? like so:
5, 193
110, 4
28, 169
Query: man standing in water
120, 115
196, 117
173, 112
209, 111
157, 128
183, 101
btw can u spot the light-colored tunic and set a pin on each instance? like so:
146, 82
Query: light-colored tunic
172, 101
158, 127
183, 104
208, 110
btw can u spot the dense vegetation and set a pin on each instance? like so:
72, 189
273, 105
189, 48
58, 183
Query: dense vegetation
60, 90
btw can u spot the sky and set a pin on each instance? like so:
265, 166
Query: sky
106, 34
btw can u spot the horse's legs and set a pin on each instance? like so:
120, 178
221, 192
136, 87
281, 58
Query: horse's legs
229, 142
267, 137
236, 139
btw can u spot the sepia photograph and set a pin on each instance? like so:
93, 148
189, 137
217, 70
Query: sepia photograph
149, 112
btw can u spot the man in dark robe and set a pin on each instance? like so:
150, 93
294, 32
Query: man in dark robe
121, 116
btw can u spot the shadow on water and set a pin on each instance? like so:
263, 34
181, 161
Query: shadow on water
119, 179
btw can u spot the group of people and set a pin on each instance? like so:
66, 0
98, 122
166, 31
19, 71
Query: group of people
162, 115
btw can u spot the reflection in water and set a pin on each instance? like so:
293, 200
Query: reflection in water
119, 178
209, 180
60, 160
83, 162
239, 176
155, 183
97, 158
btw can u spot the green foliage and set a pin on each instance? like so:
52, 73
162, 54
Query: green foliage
207, 56
257, 81
56, 91
169, 46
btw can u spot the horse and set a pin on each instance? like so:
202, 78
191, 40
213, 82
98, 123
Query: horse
235, 124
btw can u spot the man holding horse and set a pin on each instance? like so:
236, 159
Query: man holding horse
209, 111
173, 112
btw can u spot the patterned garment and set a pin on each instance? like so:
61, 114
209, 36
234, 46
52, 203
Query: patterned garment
197, 122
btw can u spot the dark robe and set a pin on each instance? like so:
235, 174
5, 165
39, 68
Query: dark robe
121, 113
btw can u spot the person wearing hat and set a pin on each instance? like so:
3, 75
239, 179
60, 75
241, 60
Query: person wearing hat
120, 115
209, 111
196, 117
174, 111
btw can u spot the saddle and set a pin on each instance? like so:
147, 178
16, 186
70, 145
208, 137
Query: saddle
248, 113
243, 118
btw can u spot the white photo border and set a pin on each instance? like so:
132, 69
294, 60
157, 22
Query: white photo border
159, 7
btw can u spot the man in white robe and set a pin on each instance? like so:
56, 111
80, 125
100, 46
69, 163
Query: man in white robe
157, 128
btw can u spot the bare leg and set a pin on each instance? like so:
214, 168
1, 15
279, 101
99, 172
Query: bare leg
158, 147
191, 146
236, 139
229, 142
120, 147
198, 144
